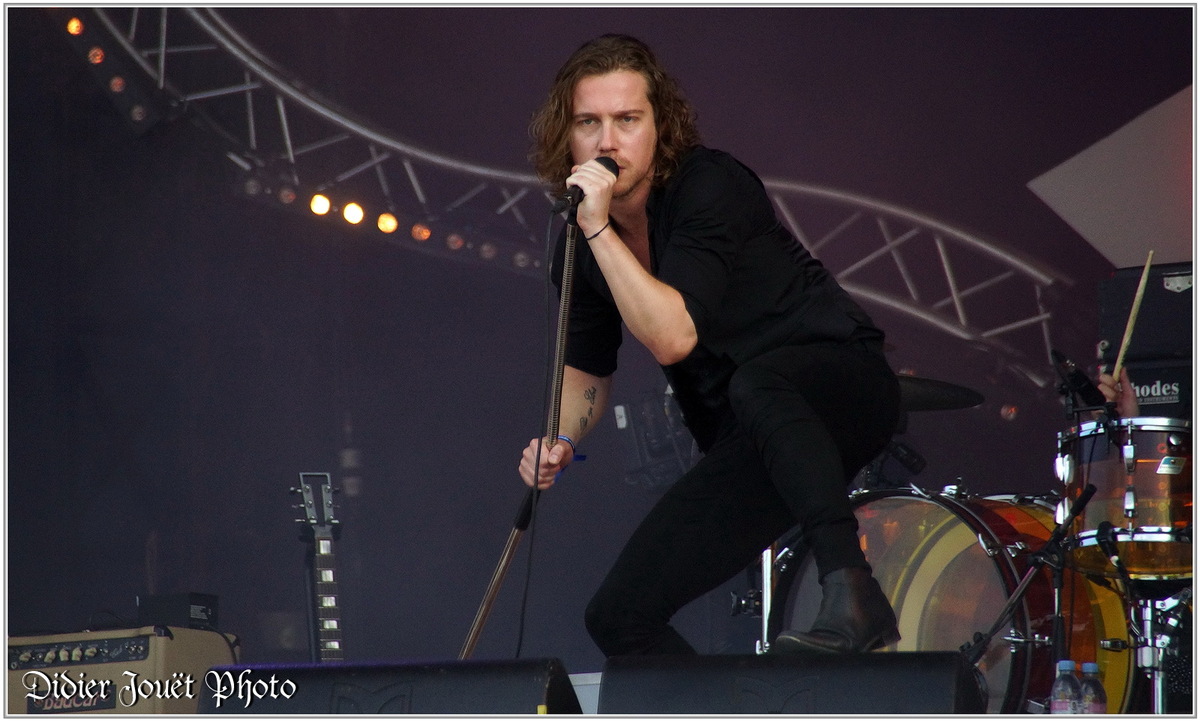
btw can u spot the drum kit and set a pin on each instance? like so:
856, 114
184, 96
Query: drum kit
1099, 572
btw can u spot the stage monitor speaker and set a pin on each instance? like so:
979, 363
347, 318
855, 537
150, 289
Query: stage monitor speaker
148, 670
913, 683
519, 687
1164, 327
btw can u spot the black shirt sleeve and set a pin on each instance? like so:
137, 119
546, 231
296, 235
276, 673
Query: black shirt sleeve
594, 326
711, 223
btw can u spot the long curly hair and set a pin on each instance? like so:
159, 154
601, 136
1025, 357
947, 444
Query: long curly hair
674, 117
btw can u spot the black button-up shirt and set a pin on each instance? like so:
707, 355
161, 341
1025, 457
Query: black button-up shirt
748, 284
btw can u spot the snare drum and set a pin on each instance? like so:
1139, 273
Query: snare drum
1142, 471
949, 562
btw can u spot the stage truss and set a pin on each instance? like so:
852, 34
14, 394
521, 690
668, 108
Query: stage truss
287, 142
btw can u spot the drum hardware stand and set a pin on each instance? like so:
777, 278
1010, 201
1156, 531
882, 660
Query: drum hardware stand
872, 475
1159, 623
1051, 553
1153, 624
749, 602
757, 600
1074, 386
767, 566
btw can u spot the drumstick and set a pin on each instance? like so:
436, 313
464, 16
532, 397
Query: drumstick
1133, 312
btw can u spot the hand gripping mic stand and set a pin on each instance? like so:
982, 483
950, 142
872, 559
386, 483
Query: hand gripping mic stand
525, 512
1051, 553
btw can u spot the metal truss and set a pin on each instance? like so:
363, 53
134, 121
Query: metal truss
947, 279
288, 142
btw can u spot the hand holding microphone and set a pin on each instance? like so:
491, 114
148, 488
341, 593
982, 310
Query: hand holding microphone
574, 194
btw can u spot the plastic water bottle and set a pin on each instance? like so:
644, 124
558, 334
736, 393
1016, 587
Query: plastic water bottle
1065, 693
1093, 699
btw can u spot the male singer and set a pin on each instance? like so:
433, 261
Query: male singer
779, 374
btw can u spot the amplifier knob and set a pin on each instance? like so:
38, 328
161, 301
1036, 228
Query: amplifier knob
49, 656
90, 652
25, 656
76, 654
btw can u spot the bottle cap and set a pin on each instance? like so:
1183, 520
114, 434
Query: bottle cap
1090, 667
1066, 664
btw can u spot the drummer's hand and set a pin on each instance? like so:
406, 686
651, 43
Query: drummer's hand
554, 458
1120, 392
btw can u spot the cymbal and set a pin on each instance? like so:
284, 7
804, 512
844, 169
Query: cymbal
918, 394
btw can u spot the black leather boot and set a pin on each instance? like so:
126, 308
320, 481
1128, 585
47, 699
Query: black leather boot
855, 616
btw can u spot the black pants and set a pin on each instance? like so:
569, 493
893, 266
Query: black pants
806, 419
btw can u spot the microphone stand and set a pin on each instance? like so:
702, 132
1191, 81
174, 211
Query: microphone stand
1050, 553
525, 511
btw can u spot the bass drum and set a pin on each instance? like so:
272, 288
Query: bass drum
949, 563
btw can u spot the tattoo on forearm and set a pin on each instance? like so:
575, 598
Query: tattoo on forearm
590, 396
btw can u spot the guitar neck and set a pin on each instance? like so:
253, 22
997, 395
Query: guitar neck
329, 625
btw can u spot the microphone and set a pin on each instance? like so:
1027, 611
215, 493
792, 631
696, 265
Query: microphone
1077, 381
1082, 500
1076, 509
574, 194
908, 457
1106, 539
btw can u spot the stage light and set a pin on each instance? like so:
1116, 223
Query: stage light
320, 204
521, 259
387, 223
455, 242
286, 195
137, 106
421, 232
353, 213
252, 186
1009, 412
488, 250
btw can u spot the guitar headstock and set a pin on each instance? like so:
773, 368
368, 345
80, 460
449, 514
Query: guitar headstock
320, 529
317, 492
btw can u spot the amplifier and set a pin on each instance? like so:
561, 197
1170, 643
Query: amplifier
1164, 388
198, 611
1164, 326
148, 670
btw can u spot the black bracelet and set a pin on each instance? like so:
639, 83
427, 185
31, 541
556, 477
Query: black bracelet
588, 238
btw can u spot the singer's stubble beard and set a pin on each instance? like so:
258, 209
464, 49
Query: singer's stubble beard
626, 195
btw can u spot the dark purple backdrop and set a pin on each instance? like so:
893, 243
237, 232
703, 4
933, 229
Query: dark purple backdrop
177, 356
